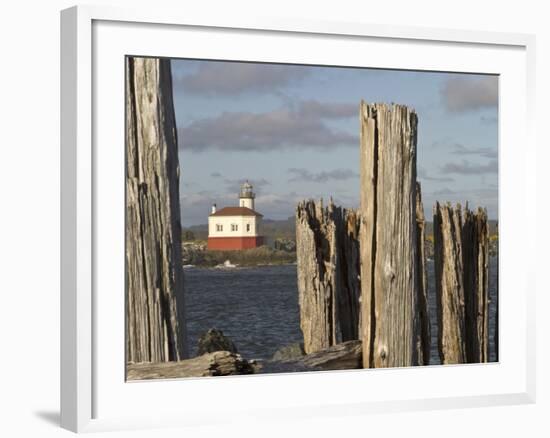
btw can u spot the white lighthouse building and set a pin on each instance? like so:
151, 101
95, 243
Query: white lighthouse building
234, 228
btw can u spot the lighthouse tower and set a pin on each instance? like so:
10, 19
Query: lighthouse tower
246, 196
234, 228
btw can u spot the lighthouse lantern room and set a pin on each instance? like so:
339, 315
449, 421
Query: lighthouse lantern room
234, 228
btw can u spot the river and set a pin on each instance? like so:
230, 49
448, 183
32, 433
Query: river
258, 307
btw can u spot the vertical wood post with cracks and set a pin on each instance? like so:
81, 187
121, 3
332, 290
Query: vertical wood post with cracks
461, 255
327, 256
424, 332
388, 236
154, 272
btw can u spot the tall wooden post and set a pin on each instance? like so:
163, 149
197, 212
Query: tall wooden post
388, 236
318, 273
424, 332
449, 284
154, 272
475, 238
349, 296
461, 255
327, 253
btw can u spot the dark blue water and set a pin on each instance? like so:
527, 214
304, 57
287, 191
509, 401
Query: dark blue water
258, 307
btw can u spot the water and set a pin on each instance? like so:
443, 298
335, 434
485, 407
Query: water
258, 307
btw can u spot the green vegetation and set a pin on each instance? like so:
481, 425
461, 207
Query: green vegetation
196, 254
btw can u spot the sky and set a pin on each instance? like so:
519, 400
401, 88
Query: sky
293, 132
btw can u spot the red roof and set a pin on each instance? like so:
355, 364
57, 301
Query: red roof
236, 211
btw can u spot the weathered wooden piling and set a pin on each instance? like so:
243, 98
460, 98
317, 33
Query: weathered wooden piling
496, 304
154, 273
449, 284
461, 274
475, 240
349, 296
327, 267
317, 273
423, 332
388, 236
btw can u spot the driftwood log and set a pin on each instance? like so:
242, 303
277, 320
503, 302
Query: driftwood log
461, 276
345, 356
218, 363
153, 235
327, 266
388, 236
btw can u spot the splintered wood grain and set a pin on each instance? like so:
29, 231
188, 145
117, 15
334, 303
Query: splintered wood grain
218, 363
461, 255
154, 273
316, 255
349, 296
449, 283
388, 236
475, 241
327, 253
423, 320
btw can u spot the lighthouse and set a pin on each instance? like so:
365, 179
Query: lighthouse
235, 228
246, 196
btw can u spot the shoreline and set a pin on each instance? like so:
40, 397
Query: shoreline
237, 266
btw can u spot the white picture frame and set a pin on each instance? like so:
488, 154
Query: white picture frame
93, 39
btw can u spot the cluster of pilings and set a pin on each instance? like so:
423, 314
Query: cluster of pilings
362, 274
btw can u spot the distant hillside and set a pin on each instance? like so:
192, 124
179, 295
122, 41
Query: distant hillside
286, 229
493, 225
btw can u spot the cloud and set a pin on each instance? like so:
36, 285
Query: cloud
282, 128
460, 149
332, 110
444, 191
423, 175
233, 78
467, 168
216, 175
464, 93
300, 174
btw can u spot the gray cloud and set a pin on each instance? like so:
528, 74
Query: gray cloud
423, 175
467, 168
460, 149
463, 93
284, 128
232, 78
326, 110
216, 175
300, 174
444, 191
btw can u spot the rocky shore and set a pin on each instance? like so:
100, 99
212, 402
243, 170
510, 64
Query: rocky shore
195, 253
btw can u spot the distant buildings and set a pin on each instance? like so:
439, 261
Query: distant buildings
234, 228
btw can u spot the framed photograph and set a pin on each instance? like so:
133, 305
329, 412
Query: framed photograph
257, 209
